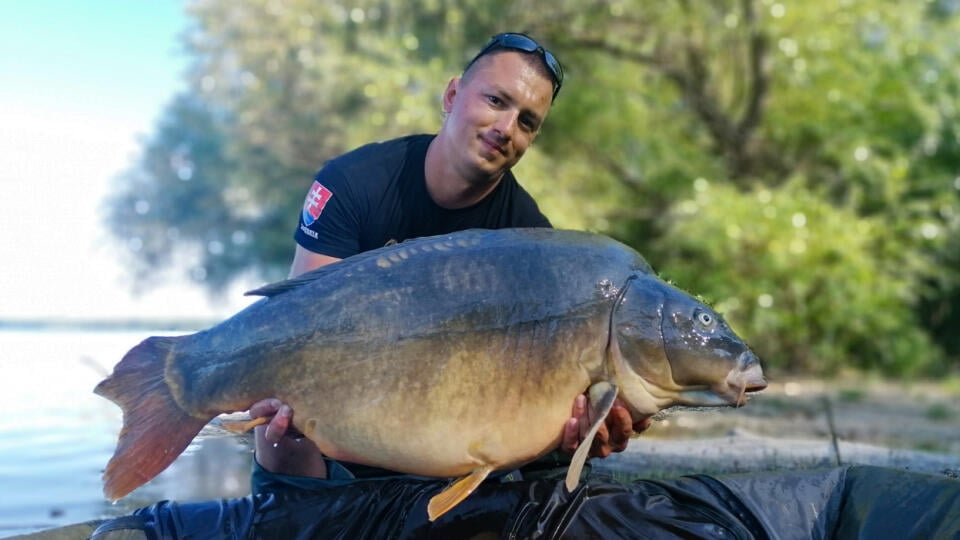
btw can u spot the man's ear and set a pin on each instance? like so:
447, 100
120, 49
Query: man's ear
450, 94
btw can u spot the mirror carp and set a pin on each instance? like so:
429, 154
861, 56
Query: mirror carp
447, 356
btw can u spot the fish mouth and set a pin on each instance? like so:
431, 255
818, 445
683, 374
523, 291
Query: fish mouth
744, 380
735, 390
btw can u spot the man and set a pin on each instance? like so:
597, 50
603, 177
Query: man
494, 112
426, 185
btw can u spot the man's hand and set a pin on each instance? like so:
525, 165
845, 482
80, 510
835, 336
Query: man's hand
613, 435
281, 415
280, 448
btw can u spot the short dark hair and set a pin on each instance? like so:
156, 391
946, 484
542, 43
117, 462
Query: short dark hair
543, 60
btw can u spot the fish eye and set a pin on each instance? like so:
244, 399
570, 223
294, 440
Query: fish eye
705, 318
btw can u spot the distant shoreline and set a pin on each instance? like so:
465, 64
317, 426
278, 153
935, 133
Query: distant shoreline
179, 324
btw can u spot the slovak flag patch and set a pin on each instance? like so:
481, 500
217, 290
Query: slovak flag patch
317, 198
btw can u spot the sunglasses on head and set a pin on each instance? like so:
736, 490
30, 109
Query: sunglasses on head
525, 43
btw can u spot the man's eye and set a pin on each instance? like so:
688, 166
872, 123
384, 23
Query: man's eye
494, 100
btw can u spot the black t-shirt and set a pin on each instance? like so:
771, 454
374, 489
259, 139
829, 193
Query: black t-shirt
377, 194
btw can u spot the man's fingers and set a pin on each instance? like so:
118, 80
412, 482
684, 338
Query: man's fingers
265, 407
576, 427
579, 407
571, 436
585, 418
601, 442
643, 425
613, 435
572, 429
620, 426
278, 424
615, 432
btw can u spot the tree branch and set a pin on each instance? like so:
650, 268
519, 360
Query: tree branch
730, 132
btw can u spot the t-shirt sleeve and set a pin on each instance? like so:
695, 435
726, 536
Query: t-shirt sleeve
330, 218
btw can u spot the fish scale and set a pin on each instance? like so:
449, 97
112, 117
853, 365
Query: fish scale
449, 356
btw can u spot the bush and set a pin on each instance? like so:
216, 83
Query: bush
814, 287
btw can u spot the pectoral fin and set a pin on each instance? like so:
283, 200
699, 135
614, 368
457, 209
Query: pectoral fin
442, 502
602, 396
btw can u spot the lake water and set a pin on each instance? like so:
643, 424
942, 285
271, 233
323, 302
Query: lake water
56, 435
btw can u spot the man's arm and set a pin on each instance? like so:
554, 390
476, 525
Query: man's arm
305, 260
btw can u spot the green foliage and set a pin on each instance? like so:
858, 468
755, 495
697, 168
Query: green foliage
829, 228
800, 276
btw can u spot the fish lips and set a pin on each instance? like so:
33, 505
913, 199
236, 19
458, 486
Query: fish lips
745, 379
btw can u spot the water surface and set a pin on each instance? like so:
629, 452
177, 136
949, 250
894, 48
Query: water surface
56, 435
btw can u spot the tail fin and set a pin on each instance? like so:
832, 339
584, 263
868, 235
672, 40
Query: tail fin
155, 428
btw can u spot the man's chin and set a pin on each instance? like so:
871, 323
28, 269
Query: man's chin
491, 169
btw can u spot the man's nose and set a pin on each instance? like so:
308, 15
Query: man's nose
506, 124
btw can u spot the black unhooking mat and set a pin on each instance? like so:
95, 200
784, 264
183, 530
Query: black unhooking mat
844, 503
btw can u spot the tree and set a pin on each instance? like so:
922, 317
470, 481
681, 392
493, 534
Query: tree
846, 107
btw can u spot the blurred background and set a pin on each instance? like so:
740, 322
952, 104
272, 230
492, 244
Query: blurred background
796, 164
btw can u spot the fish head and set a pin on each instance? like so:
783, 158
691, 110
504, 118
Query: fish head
668, 348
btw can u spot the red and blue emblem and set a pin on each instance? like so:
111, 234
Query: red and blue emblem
316, 199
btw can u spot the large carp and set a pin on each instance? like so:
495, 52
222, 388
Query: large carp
447, 356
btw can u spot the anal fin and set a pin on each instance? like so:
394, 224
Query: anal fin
442, 502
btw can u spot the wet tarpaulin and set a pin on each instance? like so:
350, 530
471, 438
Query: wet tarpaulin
843, 503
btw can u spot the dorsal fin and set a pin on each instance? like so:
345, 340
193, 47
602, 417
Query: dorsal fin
279, 287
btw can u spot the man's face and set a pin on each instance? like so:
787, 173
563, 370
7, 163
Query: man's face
495, 113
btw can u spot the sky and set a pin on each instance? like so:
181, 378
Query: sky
83, 83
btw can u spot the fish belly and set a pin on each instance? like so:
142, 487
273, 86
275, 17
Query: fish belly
456, 407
